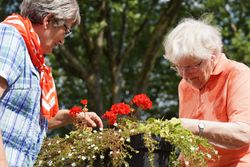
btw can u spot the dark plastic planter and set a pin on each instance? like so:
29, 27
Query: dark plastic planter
141, 159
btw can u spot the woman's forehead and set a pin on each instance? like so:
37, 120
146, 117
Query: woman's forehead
187, 60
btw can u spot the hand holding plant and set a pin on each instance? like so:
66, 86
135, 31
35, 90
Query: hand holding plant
82, 118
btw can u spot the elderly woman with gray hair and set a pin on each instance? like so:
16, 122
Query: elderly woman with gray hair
28, 100
214, 91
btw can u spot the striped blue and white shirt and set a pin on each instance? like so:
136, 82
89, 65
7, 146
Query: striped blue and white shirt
22, 126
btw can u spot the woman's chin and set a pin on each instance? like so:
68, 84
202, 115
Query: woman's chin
196, 84
47, 51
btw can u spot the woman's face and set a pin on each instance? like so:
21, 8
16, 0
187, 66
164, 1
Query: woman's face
195, 71
53, 36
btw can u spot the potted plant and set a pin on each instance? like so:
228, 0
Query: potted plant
158, 141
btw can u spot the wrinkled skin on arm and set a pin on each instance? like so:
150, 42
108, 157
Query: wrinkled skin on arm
3, 85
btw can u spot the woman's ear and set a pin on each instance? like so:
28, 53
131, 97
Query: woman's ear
47, 19
214, 58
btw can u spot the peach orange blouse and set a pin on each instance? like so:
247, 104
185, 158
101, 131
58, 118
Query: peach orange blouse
225, 98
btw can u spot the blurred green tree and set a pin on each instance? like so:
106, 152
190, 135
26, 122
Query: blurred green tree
117, 50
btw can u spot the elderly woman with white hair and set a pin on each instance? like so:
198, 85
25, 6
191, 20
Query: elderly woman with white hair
28, 100
214, 96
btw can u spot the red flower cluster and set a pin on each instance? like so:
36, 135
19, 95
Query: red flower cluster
116, 109
84, 101
140, 100
77, 109
110, 116
120, 108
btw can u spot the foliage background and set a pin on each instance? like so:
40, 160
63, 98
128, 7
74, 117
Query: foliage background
117, 50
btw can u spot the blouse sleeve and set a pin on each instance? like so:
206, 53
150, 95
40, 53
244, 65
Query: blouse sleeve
238, 105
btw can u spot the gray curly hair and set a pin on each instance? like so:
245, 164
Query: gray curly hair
61, 10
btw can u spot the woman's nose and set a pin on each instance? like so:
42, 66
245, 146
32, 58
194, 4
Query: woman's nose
61, 42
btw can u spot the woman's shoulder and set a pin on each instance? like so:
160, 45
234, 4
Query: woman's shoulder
7, 27
237, 73
11, 38
7, 30
237, 68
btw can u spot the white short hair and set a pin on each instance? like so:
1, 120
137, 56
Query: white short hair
194, 39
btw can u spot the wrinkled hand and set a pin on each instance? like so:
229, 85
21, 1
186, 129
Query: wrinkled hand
90, 118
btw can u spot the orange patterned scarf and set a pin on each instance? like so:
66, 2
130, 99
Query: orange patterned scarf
49, 102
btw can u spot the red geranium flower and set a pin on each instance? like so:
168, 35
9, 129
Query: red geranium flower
84, 101
111, 116
116, 109
75, 110
120, 108
142, 101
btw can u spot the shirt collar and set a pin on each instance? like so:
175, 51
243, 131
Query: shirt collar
219, 67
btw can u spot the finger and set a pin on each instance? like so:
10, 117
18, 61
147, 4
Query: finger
89, 121
97, 120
